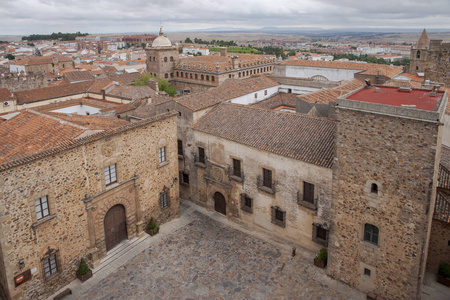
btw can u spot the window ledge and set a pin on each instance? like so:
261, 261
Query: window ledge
164, 163
180, 157
184, 183
321, 242
370, 245
236, 178
279, 223
247, 209
43, 220
201, 165
266, 189
112, 185
307, 204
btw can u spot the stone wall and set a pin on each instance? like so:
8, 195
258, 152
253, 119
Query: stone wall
69, 179
400, 156
288, 176
16, 83
439, 70
439, 249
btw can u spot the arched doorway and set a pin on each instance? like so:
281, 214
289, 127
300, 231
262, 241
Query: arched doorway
115, 226
220, 205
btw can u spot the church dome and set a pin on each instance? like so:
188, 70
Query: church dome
161, 41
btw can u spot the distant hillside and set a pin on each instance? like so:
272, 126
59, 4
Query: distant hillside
54, 36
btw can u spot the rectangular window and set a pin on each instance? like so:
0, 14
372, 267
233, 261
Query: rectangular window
185, 178
50, 265
246, 203
371, 233
201, 155
162, 154
267, 178
278, 216
180, 147
320, 234
237, 168
41, 206
308, 192
110, 174
367, 272
163, 199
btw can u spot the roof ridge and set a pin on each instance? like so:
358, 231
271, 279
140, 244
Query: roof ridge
62, 121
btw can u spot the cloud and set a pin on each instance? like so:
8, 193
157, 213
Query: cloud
46, 16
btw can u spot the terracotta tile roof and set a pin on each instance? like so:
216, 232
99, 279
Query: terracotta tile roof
92, 122
5, 94
306, 138
86, 67
39, 60
35, 95
281, 99
217, 63
369, 69
132, 92
77, 76
325, 96
147, 110
231, 88
32, 135
102, 104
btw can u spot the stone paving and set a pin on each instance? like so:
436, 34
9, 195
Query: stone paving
206, 259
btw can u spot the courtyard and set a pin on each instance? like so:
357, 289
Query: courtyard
202, 255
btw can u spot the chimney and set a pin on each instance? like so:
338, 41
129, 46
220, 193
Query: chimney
223, 51
153, 84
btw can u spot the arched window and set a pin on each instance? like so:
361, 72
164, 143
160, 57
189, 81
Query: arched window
418, 54
149, 58
202, 77
239, 74
374, 188
154, 58
207, 77
190, 75
229, 75
417, 68
213, 78
371, 233
171, 75
166, 75
165, 59
181, 74
178, 74
171, 58
196, 76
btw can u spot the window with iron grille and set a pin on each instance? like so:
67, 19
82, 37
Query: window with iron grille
267, 178
50, 266
278, 216
237, 168
162, 154
371, 233
110, 174
246, 203
41, 206
308, 192
201, 155
180, 147
164, 199
185, 178
320, 234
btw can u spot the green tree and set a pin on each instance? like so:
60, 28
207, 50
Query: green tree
142, 80
10, 56
163, 85
188, 41
143, 45
291, 53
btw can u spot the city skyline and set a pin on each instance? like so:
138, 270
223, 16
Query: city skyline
45, 16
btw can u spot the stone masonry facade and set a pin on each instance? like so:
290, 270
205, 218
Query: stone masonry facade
74, 182
400, 156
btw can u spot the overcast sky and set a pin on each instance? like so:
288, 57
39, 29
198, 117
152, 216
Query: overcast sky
23, 17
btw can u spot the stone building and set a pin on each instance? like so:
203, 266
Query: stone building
44, 64
431, 57
245, 170
199, 73
162, 57
74, 187
388, 143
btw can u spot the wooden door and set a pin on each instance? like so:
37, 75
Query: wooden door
220, 204
115, 226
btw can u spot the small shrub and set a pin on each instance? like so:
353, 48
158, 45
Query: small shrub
444, 270
152, 225
322, 255
83, 268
